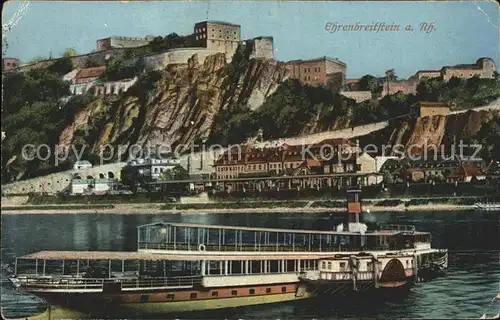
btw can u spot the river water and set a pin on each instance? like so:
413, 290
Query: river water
472, 280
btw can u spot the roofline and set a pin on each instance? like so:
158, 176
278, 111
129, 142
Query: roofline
302, 231
193, 255
346, 174
318, 59
217, 22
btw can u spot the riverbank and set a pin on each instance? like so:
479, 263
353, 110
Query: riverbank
158, 209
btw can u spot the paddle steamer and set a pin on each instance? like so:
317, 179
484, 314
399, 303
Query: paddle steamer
186, 267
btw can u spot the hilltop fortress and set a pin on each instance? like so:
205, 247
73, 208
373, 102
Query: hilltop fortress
213, 37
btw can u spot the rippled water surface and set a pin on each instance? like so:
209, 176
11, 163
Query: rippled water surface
472, 280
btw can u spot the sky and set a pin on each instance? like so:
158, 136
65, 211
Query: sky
463, 31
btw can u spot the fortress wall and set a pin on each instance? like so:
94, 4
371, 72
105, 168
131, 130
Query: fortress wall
175, 56
262, 47
358, 96
57, 182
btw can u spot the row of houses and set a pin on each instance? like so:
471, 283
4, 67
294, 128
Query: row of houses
246, 167
341, 157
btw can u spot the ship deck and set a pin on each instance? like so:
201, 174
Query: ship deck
162, 255
386, 232
151, 256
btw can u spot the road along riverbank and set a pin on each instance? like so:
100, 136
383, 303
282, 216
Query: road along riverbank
148, 208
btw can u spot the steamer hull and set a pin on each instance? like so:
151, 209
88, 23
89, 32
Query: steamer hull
149, 303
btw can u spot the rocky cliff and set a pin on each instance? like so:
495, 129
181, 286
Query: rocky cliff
176, 105
414, 135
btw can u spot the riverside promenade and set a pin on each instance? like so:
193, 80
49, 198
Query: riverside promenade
227, 207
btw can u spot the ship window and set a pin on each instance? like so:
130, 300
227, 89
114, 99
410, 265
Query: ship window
215, 293
342, 266
170, 296
144, 299
283, 289
268, 290
234, 292
329, 265
193, 295
407, 263
251, 291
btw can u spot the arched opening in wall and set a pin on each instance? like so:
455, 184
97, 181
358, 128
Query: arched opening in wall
111, 175
90, 177
101, 176
77, 177
394, 271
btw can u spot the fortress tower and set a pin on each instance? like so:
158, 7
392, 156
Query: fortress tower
218, 36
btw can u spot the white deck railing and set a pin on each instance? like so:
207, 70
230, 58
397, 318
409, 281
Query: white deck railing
72, 283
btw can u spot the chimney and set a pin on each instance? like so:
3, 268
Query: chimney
354, 210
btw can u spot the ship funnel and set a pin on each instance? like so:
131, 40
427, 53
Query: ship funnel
354, 212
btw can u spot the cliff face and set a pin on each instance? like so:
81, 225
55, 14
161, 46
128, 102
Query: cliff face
414, 135
180, 106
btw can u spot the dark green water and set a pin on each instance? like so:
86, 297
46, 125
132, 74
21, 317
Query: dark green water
472, 280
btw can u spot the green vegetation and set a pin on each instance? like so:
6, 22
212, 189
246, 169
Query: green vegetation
59, 207
232, 126
288, 112
31, 115
92, 62
489, 137
370, 83
69, 52
234, 205
459, 93
176, 173
126, 67
171, 41
61, 66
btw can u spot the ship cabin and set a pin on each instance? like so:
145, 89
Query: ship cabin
364, 266
109, 271
171, 237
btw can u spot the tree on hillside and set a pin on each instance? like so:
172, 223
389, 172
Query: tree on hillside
92, 62
118, 68
69, 52
366, 112
31, 115
395, 105
429, 89
62, 66
489, 137
390, 75
459, 93
233, 125
370, 83
176, 173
